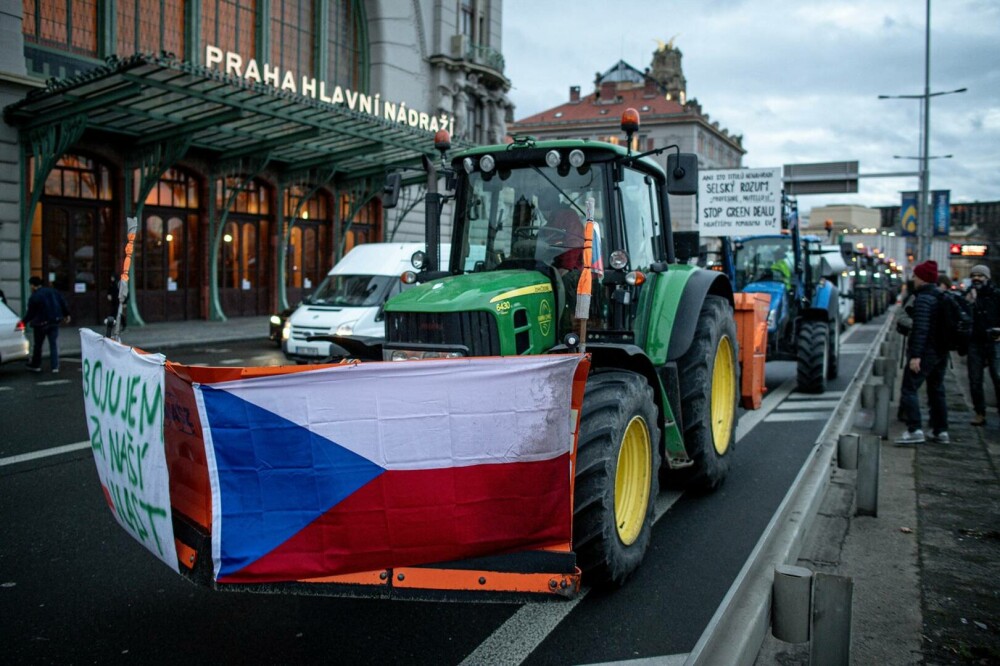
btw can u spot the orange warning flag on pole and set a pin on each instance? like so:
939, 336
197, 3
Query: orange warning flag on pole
592, 263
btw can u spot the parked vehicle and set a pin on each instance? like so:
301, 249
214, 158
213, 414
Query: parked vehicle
276, 324
13, 341
349, 301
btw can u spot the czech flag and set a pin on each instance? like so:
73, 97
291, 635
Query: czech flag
378, 465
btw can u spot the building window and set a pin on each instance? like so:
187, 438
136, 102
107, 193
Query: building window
344, 43
468, 19
365, 227
292, 38
230, 25
309, 250
150, 25
64, 24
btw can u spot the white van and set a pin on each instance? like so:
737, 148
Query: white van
349, 300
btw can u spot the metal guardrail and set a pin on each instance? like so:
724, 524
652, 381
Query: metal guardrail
736, 632
485, 55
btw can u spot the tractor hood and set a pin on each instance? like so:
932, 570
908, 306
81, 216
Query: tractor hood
474, 291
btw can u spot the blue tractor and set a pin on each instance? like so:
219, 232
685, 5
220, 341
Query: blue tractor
804, 317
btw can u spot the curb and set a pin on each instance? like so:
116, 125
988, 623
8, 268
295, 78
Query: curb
736, 632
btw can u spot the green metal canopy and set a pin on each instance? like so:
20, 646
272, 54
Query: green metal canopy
159, 98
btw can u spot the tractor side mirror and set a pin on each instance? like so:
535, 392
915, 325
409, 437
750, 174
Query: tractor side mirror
390, 191
682, 174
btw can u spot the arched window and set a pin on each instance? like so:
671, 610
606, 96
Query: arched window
309, 246
244, 260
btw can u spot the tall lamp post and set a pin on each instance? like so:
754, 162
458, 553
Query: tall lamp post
925, 228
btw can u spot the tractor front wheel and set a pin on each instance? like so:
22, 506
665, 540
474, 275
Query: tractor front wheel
709, 382
617, 461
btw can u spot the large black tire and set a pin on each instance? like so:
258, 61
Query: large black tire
860, 306
813, 355
833, 362
709, 383
619, 443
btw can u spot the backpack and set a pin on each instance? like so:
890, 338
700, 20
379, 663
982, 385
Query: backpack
955, 323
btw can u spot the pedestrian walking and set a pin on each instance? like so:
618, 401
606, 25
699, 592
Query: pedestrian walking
47, 309
984, 346
927, 360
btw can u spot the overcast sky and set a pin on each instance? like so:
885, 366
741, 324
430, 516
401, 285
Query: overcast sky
799, 79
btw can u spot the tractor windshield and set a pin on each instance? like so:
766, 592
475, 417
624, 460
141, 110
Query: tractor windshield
530, 214
763, 260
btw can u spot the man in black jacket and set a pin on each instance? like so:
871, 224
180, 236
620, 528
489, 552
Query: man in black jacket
47, 309
927, 359
984, 347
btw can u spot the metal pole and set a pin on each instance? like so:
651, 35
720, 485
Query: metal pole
926, 226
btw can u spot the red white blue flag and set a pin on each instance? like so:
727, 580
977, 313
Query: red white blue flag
377, 465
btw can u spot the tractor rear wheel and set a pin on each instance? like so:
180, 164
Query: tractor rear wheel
617, 460
709, 383
813, 356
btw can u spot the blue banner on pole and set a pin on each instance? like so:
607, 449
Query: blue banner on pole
908, 214
940, 200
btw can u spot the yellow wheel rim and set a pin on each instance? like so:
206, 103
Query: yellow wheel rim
632, 481
723, 389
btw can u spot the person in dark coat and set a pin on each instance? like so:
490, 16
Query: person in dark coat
927, 360
47, 309
984, 347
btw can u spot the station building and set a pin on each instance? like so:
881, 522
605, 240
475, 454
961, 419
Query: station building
668, 117
249, 140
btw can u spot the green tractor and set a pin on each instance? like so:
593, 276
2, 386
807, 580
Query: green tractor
664, 382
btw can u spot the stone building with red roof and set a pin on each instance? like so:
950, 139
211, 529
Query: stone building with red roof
668, 117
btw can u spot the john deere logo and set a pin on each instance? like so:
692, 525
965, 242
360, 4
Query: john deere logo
503, 307
544, 317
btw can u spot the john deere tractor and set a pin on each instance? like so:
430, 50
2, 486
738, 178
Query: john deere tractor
664, 381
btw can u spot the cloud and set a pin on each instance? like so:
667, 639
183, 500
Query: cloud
798, 79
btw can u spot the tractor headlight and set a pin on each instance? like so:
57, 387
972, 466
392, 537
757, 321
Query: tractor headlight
468, 165
486, 163
552, 158
576, 158
618, 260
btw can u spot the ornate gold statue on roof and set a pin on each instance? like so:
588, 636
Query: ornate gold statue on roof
662, 46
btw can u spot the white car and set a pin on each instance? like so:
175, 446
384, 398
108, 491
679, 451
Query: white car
349, 300
13, 342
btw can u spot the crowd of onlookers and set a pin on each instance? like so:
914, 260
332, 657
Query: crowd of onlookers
938, 319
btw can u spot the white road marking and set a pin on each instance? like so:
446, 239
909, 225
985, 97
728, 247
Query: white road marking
808, 404
749, 420
231, 361
6, 388
831, 395
784, 417
35, 455
53, 382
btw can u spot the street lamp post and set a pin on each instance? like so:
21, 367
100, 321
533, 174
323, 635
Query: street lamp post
925, 227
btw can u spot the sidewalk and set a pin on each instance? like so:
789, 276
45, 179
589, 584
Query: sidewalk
165, 335
925, 569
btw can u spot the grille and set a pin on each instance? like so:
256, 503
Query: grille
475, 330
303, 332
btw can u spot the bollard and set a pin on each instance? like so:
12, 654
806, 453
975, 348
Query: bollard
831, 620
881, 427
791, 603
878, 367
867, 395
869, 460
887, 349
847, 451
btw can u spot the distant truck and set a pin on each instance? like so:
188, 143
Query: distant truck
349, 301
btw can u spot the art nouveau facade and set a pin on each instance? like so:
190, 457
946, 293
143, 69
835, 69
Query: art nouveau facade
249, 139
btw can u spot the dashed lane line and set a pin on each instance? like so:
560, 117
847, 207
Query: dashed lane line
35, 455
808, 404
785, 417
